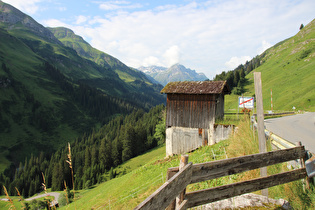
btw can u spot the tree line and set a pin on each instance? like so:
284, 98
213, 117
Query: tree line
94, 156
236, 78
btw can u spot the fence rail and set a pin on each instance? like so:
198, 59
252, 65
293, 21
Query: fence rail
227, 191
193, 173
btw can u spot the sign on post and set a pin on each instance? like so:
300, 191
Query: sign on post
246, 102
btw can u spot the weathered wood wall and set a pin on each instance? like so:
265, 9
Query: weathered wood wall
219, 109
190, 111
180, 140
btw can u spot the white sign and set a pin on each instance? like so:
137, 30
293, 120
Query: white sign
246, 102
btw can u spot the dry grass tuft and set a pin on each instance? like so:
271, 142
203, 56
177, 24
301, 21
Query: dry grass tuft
66, 192
69, 161
45, 189
11, 204
244, 141
21, 198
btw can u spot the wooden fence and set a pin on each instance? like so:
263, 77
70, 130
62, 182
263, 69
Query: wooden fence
188, 173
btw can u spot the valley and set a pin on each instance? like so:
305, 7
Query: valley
55, 89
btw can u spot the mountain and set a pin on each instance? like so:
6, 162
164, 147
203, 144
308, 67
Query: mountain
176, 72
85, 50
52, 93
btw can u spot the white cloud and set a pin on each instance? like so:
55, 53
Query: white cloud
236, 61
56, 23
264, 46
172, 55
150, 61
29, 6
81, 19
116, 5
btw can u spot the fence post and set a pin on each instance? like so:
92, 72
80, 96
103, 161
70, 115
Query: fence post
172, 206
182, 164
307, 180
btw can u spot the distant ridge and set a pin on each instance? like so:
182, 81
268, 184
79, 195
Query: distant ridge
177, 72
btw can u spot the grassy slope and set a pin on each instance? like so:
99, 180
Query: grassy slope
287, 69
20, 137
129, 190
148, 172
26, 76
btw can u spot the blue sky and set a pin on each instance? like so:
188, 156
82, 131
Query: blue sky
207, 36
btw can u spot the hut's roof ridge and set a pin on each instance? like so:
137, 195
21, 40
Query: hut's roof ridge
197, 87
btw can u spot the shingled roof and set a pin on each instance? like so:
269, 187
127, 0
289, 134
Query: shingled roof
192, 87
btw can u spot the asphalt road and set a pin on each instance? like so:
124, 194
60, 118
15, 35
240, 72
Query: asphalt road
300, 127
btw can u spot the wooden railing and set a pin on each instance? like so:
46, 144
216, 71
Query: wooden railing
188, 173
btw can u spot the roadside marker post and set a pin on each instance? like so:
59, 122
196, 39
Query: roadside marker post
260, 123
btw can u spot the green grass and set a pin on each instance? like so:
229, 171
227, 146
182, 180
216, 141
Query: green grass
148, 172
16, 203
134, 163
287, 69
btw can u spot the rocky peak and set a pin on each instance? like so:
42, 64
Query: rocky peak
14, 19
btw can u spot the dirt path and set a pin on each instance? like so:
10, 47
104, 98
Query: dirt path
54, 194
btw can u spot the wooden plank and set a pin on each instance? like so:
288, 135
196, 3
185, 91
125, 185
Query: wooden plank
182, 164
227, 191
163, 196
170, 174
302, 160
183, 205
220, 168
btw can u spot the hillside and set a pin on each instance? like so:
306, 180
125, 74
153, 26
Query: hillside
85, 50
288, 69
50, 95
177, 72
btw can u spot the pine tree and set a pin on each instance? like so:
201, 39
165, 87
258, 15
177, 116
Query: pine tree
236, 78
128, 143
108, 154
87, 159
242, 73
57, 178
94, 155
102, 156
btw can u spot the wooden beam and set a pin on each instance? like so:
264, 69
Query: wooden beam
220, 168
183, 205
227, 191
163, 196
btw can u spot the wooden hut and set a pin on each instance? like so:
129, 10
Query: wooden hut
192, 108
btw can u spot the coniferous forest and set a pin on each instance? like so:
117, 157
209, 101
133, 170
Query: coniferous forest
93, 156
